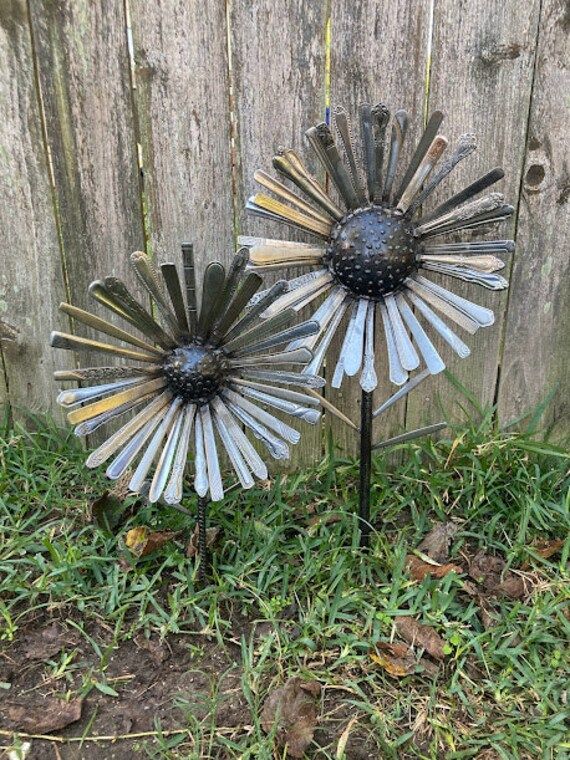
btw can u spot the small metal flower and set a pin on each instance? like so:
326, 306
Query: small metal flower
193, 374
375, 246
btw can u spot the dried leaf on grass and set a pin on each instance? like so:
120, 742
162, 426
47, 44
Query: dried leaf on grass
395, 658
211, 537
47, 642
142, 540
419, 568
436, 543
326, 518
489, 571
41, 717
546, 549
421, 635
292, 709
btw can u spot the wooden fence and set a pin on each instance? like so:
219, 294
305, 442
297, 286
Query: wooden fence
135, 125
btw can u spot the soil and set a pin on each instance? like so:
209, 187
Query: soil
174, 683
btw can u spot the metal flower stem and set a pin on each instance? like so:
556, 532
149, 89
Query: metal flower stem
203, 503
365, 467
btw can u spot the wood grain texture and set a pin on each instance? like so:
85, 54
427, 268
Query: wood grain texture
379, 53
83, 69
537, 335
278, 82
31, 282
481, 78
182, 100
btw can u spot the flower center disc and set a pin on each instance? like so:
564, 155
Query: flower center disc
372, 251
195, 372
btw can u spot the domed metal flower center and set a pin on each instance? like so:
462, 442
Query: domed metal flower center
372, 251
195, 372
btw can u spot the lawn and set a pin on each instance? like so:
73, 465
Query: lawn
470, 541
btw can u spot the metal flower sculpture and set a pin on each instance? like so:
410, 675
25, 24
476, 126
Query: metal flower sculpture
192, 375
373, 251
375, 246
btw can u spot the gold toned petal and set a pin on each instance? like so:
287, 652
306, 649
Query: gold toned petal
268, 251
111, 402
263, 202
269, 182
289, 164
76, 343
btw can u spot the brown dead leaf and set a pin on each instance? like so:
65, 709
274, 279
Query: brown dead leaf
142, 541
211, 538
41, 716
395, 658
421, 635
419, 568
293, 709
327, 518
436, 543
489, 571
546, 549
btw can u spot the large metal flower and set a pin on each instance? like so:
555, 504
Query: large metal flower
192, 375
376, 248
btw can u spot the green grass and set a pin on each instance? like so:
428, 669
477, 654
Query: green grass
503, 689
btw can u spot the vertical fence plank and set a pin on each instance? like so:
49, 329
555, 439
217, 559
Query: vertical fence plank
278, 81
536, 344
83, 68
379, 53
182, 100
481, 75
31, 282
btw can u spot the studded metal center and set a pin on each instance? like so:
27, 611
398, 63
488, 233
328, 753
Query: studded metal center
195, 372
372, 251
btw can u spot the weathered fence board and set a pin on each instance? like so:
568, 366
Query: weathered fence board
31, 280
182, 96
481, 78
537, 335
379, 53
216, 92
278, 83
83, 68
